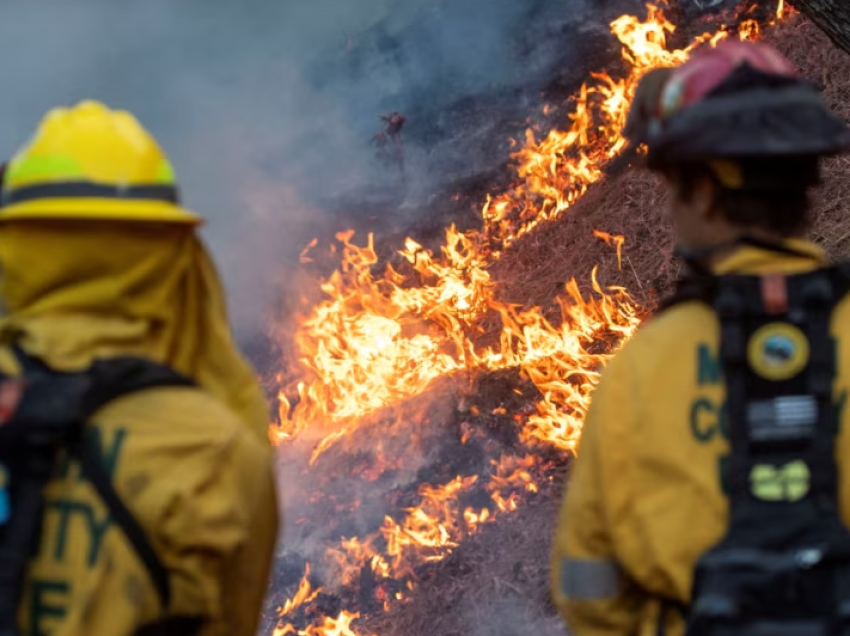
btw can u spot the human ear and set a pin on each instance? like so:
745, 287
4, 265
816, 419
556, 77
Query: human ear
702, 198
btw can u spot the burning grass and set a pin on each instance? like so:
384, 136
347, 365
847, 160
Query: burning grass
632, 205
446, 393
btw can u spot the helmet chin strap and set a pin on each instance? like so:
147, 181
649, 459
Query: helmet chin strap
697, 258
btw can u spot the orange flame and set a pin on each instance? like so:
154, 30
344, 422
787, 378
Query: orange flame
614, 240
339, 626
305, 593
378, 340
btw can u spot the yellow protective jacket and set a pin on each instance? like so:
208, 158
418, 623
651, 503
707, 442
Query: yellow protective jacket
193, 465
644, 498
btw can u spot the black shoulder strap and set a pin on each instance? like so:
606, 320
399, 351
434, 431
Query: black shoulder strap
695, 286
704, 287
113, 378
110, 379
701, 285
731, 305
94, 471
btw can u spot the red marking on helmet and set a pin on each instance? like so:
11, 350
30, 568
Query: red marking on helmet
710, 66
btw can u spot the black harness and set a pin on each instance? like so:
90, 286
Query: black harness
783, 567
44, 413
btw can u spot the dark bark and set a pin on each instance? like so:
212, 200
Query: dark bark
832, 16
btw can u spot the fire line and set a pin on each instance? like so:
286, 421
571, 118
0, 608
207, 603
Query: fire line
377, 340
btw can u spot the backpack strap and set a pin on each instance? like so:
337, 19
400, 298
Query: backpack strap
693, 287
769, 418
809, 301
94, 471
52, 413
731, 306
114, 378
819, 298
700, 284
22, 530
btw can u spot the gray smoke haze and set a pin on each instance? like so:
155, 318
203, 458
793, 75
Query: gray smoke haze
415, 431
510, 615
262, 120
218, 83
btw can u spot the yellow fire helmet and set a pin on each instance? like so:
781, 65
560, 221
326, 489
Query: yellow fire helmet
91, 162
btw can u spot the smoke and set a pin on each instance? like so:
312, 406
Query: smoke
512, 615
267, 107
419, 431
459, 69
217, 82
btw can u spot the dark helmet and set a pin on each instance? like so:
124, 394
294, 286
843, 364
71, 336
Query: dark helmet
741, 103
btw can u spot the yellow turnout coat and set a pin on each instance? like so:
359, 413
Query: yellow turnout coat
193, 465
644, 499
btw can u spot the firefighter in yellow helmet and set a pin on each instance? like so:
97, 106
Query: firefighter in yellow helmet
172, 526
711, 491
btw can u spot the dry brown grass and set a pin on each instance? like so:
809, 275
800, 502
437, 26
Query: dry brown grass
494, 585
633, 205
497, 582
819, 60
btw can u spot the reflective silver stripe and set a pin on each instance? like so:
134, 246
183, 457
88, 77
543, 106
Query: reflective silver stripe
590, 579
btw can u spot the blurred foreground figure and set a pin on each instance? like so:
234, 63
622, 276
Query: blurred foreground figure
705, 498
135, 467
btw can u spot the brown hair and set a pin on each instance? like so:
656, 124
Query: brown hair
783, 209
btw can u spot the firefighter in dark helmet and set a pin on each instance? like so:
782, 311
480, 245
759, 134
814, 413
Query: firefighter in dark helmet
159, 514
711, 490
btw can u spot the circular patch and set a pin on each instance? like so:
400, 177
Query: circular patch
778, 351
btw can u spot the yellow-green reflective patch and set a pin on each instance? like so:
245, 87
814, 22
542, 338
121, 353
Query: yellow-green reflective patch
165, 174
785, 483
23, 170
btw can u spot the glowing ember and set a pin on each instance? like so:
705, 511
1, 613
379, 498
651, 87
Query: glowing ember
379, 339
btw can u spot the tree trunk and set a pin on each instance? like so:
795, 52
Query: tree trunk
832, 16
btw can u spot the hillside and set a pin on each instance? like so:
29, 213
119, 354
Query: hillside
494, 581
531, 272
511, 594
633, 204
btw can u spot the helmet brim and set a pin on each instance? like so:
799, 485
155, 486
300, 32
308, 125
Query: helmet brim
95, 209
